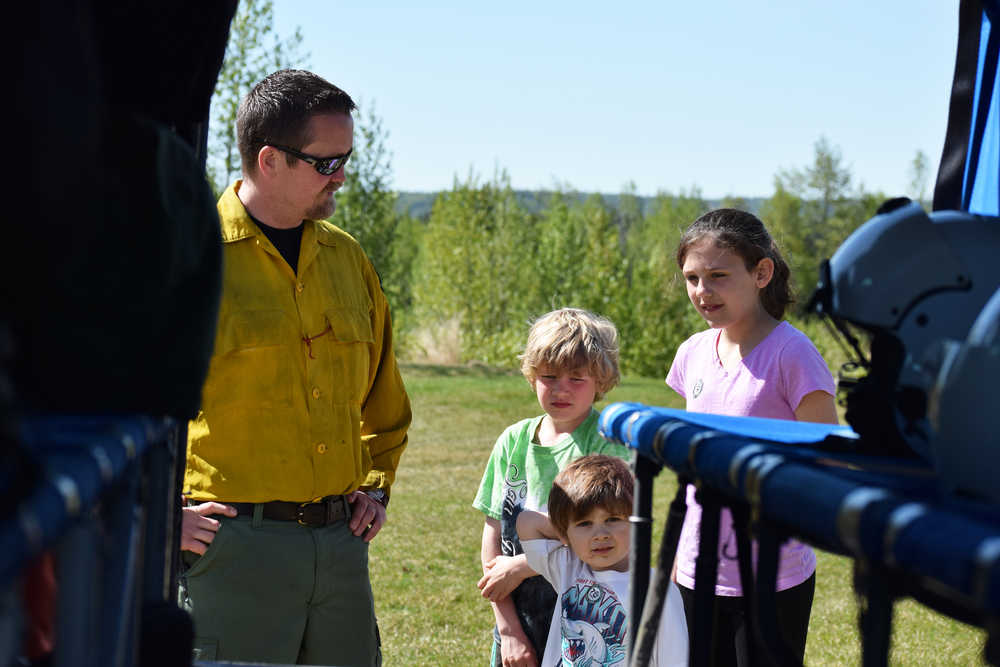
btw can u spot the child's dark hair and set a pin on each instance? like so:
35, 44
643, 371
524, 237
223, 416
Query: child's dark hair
590, 481
744, 234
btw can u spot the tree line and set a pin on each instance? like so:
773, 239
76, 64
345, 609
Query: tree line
470, 277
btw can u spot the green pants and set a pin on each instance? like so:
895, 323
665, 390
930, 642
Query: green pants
275, 591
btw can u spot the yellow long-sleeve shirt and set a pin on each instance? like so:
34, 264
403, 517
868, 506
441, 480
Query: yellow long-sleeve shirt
303, 397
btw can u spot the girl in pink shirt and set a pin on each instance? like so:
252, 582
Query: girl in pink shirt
749, 363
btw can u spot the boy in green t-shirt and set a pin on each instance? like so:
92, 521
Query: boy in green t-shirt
571, 361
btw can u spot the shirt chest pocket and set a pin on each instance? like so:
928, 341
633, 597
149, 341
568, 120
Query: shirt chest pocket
349, 354
253, 362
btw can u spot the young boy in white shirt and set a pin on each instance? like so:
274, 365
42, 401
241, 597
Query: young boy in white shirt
582, 549
570, 361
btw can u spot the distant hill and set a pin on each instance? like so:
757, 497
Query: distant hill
418, 204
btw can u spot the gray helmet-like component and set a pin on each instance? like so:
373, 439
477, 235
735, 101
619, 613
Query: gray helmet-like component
965, 410
908, 281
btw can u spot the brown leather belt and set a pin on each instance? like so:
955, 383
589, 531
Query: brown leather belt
323, 512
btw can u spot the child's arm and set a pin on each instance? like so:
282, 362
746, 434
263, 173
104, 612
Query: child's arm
515, 648
535, 526
817, 406
502, 575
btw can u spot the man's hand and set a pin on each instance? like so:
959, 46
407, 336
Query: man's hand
367, 515
503, 575
516, 651
197, 529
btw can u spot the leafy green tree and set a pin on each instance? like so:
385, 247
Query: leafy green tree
920, 174
628, 214
366, 206
405, 246
812, 211
826, 211
486, 267
731, 201
254, 50
784, 216
658, 316
659, 231
601, 276
579, 262
560, 252
473, 269
824, 184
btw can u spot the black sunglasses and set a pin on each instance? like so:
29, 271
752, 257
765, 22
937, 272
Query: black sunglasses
324, 165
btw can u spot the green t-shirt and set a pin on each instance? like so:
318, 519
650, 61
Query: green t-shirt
519, 473
518, 476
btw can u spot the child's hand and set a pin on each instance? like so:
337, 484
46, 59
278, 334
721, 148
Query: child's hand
517, 652
503, 575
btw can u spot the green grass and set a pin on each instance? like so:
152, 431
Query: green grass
425, 562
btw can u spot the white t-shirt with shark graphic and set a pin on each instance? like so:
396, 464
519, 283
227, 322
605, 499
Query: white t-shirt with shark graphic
590, 622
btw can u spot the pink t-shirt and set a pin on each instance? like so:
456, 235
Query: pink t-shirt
769, 382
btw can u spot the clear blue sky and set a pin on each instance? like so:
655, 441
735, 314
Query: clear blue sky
668, 95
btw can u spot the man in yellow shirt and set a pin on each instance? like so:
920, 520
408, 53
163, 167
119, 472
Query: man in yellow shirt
304, 414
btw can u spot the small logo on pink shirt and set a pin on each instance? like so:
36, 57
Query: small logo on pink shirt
698, 386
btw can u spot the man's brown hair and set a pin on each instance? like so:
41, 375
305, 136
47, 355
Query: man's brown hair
277, 111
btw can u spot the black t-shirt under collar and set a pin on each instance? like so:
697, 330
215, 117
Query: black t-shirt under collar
287, 241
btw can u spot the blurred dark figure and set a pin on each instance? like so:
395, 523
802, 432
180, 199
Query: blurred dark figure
112, 275
113, 279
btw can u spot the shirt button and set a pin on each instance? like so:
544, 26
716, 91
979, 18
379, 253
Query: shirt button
321, 448
315, 392
299, 287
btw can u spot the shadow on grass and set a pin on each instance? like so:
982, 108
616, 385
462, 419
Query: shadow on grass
471, 369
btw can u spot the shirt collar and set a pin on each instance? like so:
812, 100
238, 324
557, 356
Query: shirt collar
236, 223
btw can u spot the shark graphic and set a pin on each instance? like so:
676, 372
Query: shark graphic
584, 645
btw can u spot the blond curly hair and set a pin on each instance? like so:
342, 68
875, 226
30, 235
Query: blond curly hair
571, 338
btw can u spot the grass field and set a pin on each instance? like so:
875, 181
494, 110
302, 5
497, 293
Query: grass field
425, 563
